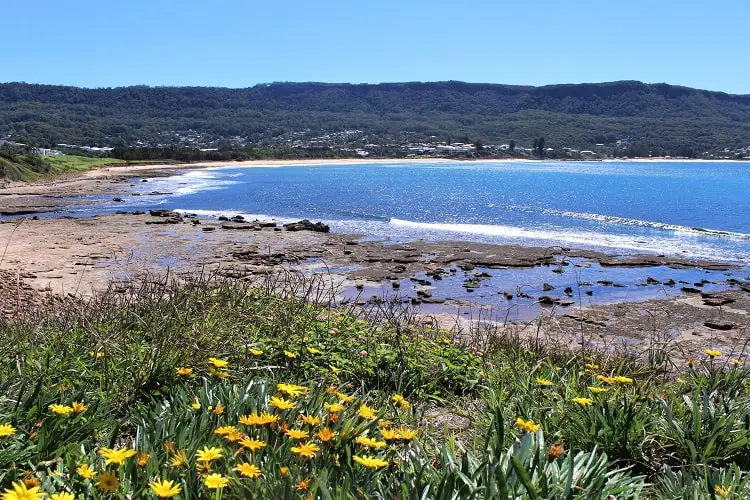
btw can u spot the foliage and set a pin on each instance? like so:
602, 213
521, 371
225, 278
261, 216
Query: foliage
661, 118
159, 378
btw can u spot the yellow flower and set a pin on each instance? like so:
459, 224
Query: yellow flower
21, 492
623, 380
255, 352
143, 459
60, 409
218, 363
334, 369
606, 380
97, 355
62, 496
281, 403
367, 413
712, 352
220, 374
165, 489
370, 462
116, 456
370, 442
544, 382
313, 350
78, 407
598, 390
526, 425
291, 390
297, 434
208, 454
400, 401
108, 482
248, 470
290, 354
215, 481
722, 491
252, 444
326, 435
334, 408
234, 436
284, 471
591, 366
681, 380
196, 404
344, 398
264, 418
390, 435
736, 362
226, 429
219, 409
303, 485
583, 401
179, 459
307, 450
7, 430
406, 433
84, 471
183, 371
309, 419
30, 482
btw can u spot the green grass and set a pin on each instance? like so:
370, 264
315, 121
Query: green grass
70, 163
643, 432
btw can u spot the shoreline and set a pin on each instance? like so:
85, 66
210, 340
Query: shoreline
448, 282
58, 256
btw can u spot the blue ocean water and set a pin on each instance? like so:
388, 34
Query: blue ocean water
692, 209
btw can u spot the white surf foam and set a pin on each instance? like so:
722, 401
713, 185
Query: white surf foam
613, 219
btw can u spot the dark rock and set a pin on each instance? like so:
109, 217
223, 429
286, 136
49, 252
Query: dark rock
208, 229
669, 282
718, 301
223, 218
699, 284
589, 293
306, 225
508, 295
652, 281
564, 302
689, 289
605, 283
117, 199
544, 300
547, 287
424, 294
568, 291
719, 325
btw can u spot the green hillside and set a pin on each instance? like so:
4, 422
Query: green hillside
647, 116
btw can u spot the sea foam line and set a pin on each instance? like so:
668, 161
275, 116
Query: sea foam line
614, 219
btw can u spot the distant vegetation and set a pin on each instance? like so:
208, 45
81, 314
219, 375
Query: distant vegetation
660, 118
19, 164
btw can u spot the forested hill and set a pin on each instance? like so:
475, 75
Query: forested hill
648, 115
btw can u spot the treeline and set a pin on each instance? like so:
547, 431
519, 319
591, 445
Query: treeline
655, 117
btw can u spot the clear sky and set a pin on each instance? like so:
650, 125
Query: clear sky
240, 43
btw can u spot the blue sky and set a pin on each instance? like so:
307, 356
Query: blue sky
236, 43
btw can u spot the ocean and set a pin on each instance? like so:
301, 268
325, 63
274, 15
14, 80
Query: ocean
688, 209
